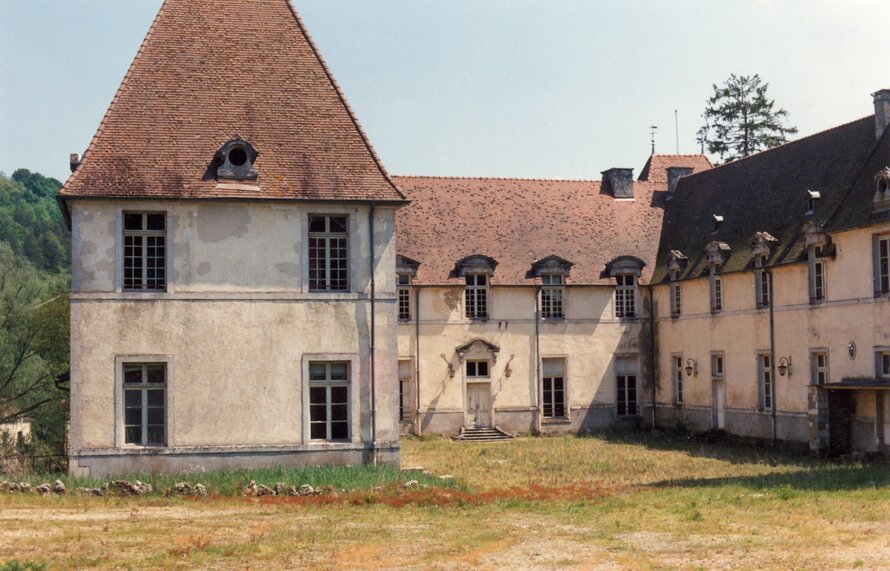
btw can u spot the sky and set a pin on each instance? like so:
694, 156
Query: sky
509, 88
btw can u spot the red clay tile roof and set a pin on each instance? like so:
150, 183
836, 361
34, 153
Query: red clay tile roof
209, 70
655, 169
517, 222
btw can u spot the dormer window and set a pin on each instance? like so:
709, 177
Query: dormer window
717, 254
235, 160
882, 190
762, 246
552, 271
718, 222
476, 271
625, 270
676, 263
812, 198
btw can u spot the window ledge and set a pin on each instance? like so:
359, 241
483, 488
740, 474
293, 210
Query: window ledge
552, 421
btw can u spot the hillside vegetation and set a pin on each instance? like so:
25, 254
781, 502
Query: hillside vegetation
31, 221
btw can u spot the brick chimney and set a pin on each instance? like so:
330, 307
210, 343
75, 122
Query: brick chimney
674, 175
882, 111
620, 182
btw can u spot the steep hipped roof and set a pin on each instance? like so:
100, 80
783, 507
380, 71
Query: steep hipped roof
518, 222
211, 70
766, 192
655, 169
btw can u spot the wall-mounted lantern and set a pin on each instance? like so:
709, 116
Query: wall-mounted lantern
691, 367
784, 366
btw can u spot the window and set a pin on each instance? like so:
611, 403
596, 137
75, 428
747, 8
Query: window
717, 366
626, 384
551, 296
328, 253
677, 376
405, 382
762, 282
476, 296
625, 296
766, 381
675, 299
816, 268
882, 365
716, 294
145, 251
404, 297
819, 364
477, 369
328, 401
554, 388
145, 404
882, 265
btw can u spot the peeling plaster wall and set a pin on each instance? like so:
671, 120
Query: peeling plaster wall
236, 324
588, 339
851, 313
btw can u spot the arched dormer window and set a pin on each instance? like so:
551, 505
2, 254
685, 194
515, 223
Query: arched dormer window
762, 246
235, 160
626, 271
552, 272
717, 253
881, 198
819, 247
406, 269
476, 271
677, 262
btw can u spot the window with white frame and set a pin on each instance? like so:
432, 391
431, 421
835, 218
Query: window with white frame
329, 401
477, 369
625, 296
476, 296
328, 253
677, 376
145, 251
404, 280
717, 368
816, 268
627, 398
765, 378
554, 388
882, 265
763, 291
819, 367
406, 379
552, 290
145, 403
882, 365
676, 301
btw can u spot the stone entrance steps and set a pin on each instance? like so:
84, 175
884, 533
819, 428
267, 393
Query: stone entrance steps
483, 435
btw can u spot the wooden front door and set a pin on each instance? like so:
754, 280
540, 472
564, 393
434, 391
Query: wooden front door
719, 405
478, 406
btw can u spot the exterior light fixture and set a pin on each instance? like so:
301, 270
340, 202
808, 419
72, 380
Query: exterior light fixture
691, 367
784, 366
851, 349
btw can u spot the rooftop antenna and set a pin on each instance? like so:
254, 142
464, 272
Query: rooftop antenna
652, 136
677, 131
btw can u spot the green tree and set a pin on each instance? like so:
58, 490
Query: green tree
31, 221
741, 120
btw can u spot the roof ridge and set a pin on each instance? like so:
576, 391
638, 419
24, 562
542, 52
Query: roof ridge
342, 97
787, 144
517, 179
116, 97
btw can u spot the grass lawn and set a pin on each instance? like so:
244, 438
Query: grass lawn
608, 501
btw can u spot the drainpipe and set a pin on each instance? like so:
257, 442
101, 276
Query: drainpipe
540, 414
373, 336
772, 352
652, 360
418, 425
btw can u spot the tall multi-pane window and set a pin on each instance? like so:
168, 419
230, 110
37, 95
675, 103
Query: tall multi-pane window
625, 296
554, 388
329, 401
328, 253
405, 382
765, 374
818, 280
476, 296
677, 375
717, 366
627, 403
404, 280
882, 269
676, 300
762, 282
145, 404
552, 290
716, 294
819, 364
145, 251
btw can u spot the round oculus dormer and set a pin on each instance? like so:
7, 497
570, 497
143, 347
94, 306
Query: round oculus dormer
235, 160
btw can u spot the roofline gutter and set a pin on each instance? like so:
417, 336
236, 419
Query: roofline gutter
382, 202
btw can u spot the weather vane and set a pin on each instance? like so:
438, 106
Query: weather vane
652, 129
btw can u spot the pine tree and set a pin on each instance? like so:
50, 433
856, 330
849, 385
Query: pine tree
740, 120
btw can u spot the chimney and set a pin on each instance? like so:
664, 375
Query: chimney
73, 161
674, 175
882, 111
620, 182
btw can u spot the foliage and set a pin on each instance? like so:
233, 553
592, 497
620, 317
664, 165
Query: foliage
741, 120
31, 221
33, 339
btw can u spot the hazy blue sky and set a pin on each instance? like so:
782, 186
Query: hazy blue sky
523, 88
